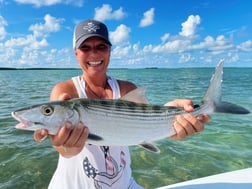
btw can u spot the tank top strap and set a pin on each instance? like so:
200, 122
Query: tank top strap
113, 83
80, 87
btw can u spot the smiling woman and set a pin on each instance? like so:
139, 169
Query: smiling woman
99, 166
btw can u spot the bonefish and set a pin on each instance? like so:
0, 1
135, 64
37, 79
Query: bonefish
125, 121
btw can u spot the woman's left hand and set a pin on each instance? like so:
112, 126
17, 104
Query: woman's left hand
186, 124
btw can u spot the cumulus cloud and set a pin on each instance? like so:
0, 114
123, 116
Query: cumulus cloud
120, 35
233, 57
148, 18
185, 57
3, 32
174, 46
245, 46
120, 52
106, 13
51, 24
215, 46
27, 41
40, 3
165, 37
189, 26
30, 49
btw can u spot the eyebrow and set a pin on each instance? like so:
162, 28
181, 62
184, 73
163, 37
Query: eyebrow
86, 45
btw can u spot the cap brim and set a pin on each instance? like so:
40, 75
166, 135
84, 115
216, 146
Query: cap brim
84, 38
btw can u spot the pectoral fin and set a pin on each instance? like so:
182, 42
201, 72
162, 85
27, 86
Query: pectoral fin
95, 137
150, 147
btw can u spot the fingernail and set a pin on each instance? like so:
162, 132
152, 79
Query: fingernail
68, 125
200, 118
65, 149
79, 126
44, 134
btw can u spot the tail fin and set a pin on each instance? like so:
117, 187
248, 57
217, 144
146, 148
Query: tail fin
213, 94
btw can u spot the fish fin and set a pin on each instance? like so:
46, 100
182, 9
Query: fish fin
214, 90
137, 96
95, 137
150, 147
213, 95
227, 107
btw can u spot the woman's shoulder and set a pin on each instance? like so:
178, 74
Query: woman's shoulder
62, 88
64, 85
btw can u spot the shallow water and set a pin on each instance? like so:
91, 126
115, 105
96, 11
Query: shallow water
225, 144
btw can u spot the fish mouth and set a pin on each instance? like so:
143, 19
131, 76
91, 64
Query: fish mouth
23, 124
95, 63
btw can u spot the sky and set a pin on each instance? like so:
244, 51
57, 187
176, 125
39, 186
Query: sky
144, 33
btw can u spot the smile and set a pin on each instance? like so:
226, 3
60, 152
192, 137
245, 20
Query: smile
95, 63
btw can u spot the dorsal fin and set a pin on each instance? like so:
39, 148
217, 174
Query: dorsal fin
137, 96
214, 90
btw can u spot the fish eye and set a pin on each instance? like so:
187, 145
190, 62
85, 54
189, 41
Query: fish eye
47, 110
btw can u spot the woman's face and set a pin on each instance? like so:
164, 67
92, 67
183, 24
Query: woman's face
93, 56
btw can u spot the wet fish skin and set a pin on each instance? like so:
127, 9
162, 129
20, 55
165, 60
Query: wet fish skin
122, 122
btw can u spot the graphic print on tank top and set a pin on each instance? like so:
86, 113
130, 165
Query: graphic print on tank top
113, 170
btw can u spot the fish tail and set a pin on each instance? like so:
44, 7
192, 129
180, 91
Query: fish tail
213, 95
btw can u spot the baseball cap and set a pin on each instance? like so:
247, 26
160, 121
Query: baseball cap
87, 29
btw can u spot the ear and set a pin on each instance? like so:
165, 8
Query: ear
75, 52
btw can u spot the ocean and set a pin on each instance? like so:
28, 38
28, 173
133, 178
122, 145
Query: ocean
224, 145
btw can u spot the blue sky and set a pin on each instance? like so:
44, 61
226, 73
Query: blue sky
144, 33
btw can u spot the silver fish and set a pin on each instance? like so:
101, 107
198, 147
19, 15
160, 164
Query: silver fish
122, 122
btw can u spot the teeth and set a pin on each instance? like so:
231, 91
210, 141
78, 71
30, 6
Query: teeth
94, 63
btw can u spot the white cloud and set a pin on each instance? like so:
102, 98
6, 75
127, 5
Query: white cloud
120, 35
106, 13
148, 18
189, 26
51, 24
185, 46
165, 37
220, 45
185, 57
233, 57
20, 42
214, 46
40, 3
39, 44
29, 50
245, 46
3, 23
175, 46
120, 52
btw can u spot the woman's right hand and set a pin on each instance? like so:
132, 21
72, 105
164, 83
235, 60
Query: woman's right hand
69, 140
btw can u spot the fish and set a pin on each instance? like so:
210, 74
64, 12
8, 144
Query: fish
127, 121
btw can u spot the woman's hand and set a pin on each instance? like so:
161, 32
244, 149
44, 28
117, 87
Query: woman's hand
69, 140
186, 124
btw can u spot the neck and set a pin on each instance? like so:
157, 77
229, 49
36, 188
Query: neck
96, 88
97, 81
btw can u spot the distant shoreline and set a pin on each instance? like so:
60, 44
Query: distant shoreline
3, 68
148, 68
39, 68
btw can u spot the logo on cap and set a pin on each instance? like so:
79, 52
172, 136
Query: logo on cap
91, 27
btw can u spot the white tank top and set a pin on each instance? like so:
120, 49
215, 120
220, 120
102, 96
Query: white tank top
95, 167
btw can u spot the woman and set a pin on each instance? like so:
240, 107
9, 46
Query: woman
82, 165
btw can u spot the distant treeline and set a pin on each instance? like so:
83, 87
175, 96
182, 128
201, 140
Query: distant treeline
3, 68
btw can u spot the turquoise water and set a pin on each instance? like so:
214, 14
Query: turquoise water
225, 144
